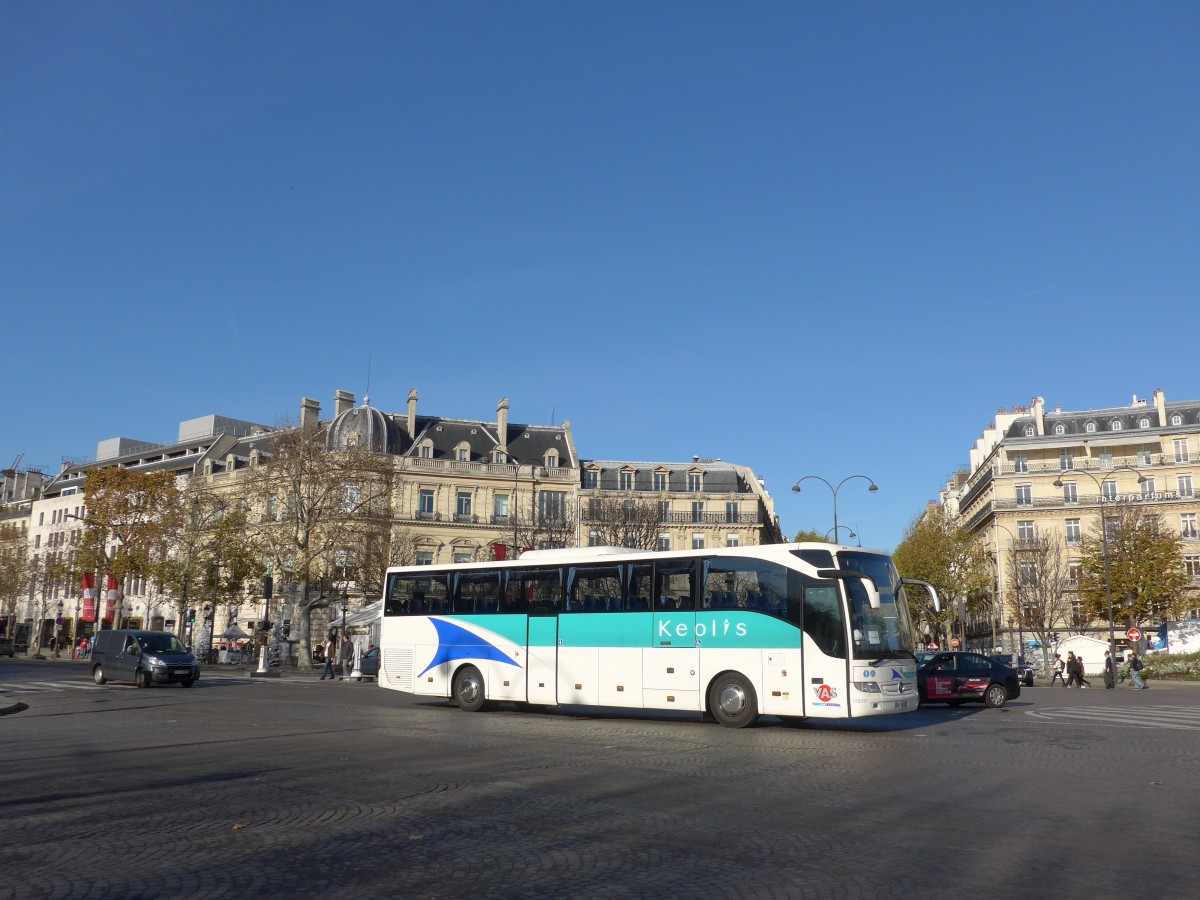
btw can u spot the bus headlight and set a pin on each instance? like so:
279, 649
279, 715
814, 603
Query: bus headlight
868, 687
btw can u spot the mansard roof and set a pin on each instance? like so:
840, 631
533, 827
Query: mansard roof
719, 477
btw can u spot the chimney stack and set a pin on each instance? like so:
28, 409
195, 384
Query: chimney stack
310, 413
412, 414
342, 401
1039, 409
1160, 404
502, 424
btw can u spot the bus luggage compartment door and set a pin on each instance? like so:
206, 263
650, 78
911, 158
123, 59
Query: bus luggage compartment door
542, 659
671, 665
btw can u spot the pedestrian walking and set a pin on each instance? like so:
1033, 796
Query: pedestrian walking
1072, 669
1083, 682
1135, 670
330, 650
1058, 671
1110, 671
347, 655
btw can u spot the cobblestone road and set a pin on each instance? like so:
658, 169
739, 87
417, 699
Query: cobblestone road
298, 787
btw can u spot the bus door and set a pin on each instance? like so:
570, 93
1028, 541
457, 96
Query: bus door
671, 664
826, 649
540, 590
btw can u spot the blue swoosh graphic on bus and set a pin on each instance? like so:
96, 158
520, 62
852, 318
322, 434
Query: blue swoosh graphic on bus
455, 642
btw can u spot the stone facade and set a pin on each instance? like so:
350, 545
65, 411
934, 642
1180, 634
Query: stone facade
1035, 470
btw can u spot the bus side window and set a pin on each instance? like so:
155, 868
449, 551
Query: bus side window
675, 581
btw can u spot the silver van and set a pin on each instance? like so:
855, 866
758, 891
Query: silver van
143, 658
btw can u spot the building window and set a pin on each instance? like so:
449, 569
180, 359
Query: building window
731, 511
1192, 565
1145, 457
552, 459
1090, 427
1070, 492
1074, 567
1074, 532
425, 503
660, 481
1143, 423
732, 540
593, 539
1066, 459
589, 479
463, 507
463, 453
1020, 464
1187, 526
664, 542
697, 541
1147, 487
1060, 429
1029, 431
460, 557
424, 558
626, 481
1024, 494
1176, 419
1026, 530
1108, 490
500, 507
695, 482
1114, 425
1181, 450
1106, 459
427, 450
1183, 484
552, 505
698, 511
664, 510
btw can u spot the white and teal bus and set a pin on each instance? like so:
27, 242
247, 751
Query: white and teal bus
789, 630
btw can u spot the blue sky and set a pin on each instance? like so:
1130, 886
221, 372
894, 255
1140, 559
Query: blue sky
815, 239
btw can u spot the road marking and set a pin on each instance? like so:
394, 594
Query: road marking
1185, 718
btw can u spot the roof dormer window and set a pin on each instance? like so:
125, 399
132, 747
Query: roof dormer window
1060, 429
1114, 425
1176, 419
1143, 423
1029, 432
1090, 427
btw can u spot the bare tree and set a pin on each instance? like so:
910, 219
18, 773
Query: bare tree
554, 524
1037, 580
634, 522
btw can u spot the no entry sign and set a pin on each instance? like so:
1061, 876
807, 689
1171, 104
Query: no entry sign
1134, 634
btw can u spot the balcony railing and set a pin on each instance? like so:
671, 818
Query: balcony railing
686, 518
1087, 500
1093, 464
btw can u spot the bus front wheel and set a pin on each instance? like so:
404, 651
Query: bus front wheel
732, 700
468, 689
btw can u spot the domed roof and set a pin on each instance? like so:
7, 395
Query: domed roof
366, 428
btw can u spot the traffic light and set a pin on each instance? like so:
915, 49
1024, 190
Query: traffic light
268, 586
191, 616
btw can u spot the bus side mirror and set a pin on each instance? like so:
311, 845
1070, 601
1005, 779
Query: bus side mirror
867, 582
929, 589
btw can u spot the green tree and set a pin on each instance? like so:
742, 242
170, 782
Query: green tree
1146, 567
15, 573
937, 549
807, 534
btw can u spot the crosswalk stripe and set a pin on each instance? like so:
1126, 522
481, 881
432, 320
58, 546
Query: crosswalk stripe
1185, 718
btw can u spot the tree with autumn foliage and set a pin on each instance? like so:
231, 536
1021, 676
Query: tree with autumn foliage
1145, 564
936, 548
321, 515
16, 573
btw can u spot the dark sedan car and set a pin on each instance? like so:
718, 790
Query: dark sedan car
955, 678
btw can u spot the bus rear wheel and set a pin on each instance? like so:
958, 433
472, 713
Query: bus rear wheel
732, 700
468, 689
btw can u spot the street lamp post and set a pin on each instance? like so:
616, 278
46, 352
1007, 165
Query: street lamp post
847, 527
873, 488
1058, 482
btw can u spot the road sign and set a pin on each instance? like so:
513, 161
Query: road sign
1134, 634
953, 642
931, 646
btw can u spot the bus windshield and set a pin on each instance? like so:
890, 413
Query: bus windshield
878, 633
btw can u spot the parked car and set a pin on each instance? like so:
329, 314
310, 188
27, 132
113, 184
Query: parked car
953, 677
7, 648
142, 657
1024, 670
368, 663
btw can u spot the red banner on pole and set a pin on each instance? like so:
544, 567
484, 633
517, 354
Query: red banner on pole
111, 596
89, 597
